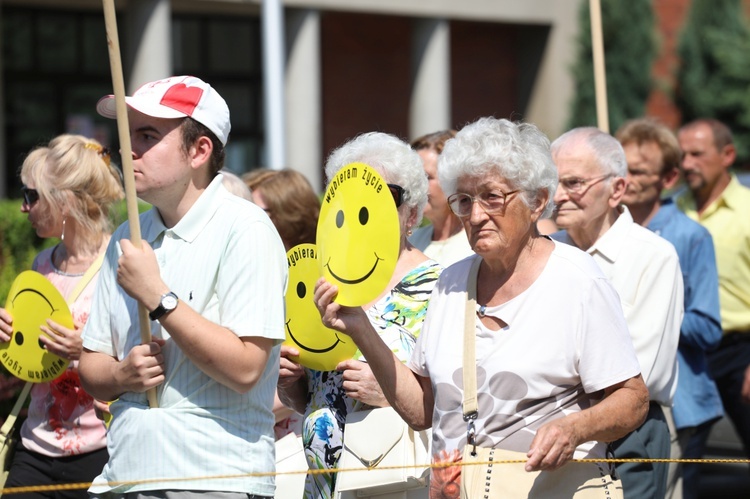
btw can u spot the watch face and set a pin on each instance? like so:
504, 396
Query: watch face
169, 302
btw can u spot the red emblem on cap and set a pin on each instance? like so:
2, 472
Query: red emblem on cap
182, 98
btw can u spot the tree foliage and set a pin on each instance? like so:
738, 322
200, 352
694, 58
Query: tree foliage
713, 79
630, 46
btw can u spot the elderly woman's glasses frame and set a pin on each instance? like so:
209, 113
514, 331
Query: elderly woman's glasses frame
30, 196
398, 193
492, 202
578, 186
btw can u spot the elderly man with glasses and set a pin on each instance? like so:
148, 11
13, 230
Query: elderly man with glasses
644, 270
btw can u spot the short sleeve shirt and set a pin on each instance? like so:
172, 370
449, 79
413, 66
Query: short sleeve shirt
225, 260
565, 340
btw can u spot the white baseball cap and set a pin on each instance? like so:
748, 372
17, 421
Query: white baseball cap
177, 97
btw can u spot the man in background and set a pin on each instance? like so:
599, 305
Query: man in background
653, 156
716, 200
645, 271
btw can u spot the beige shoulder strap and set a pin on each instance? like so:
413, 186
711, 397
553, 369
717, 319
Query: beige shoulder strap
86, 279
470, 363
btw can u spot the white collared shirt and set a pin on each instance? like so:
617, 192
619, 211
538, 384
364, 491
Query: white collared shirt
225, 260
645, 271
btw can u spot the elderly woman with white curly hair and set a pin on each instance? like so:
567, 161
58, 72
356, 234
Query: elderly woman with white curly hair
556, 372
325, 398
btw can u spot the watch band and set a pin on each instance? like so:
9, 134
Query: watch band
167, 303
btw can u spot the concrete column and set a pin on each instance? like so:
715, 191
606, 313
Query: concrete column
149, 36
554, 86
303, 95
272, 29
430, 107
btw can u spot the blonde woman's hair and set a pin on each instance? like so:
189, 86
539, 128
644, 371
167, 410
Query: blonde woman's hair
75, 180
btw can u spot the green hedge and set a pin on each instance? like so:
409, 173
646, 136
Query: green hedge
19, 245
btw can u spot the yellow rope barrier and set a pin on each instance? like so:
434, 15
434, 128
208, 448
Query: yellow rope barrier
79, 486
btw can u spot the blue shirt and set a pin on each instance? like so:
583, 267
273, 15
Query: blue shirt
696, 400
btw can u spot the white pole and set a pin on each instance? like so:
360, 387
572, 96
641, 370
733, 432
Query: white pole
272, 19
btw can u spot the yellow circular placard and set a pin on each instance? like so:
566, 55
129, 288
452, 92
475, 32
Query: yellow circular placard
320, 348
358, 234
31, 301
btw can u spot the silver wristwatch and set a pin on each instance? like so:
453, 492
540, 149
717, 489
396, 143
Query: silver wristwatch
167, 303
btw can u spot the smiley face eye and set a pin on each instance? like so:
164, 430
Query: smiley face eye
364, 215
18, 338
340, 218
301, 289
41, 345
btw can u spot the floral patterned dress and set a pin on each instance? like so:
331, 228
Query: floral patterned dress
398, 317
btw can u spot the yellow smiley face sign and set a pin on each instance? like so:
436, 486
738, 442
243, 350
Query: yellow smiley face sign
31, 301
320, 348
358, 234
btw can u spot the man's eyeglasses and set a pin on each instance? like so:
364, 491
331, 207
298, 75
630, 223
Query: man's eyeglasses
492, 202
579, 186
30, 196
397, 192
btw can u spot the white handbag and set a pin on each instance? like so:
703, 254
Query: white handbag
290, 467
378, 439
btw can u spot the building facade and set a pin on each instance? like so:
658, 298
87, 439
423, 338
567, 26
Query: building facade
406, 67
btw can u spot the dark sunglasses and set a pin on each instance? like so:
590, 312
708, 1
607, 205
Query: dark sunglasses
30, 196
397, 192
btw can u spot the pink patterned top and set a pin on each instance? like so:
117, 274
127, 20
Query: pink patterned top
61, 419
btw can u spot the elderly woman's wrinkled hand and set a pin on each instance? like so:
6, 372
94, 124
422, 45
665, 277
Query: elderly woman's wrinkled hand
289, 371
347, 320
6, 325
360, 384
553, 446
61, 341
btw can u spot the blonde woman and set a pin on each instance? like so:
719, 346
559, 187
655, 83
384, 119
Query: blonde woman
69, 187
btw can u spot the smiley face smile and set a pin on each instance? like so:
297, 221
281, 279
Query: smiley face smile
312, 350
352, 281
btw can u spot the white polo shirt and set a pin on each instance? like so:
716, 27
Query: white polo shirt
645, 271
226, 261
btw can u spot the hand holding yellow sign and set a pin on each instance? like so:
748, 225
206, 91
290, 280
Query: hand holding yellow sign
320, 348
31, 301
358, 234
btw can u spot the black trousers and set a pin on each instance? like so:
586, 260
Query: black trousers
727, 365
650, 441
30, 468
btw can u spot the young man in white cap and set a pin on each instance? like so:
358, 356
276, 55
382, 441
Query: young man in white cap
212, 273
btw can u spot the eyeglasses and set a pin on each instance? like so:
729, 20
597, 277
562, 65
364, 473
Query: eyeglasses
30, 196
397, 192
579, 186
492, 202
